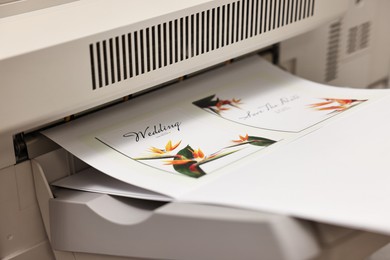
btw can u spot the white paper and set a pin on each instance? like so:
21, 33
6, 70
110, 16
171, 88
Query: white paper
314, 169
94, 181
339, 174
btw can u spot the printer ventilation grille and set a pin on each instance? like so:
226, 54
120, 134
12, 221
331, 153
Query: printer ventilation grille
332, 56
358, 37
138, 52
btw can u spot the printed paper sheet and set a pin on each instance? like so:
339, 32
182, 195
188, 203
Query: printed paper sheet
243, 136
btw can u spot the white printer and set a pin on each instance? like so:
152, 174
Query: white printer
65, 60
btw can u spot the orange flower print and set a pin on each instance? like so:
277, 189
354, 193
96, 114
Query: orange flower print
168, 148
222, 105
242, 139
180, 160
335, 104
197, 156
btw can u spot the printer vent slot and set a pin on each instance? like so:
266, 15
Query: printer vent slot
358, 37
332, 59
129, 55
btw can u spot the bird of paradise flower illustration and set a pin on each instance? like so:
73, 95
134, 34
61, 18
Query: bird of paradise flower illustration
161, 152
188, 161
217, 105
336, 104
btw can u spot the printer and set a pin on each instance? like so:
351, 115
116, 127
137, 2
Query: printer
65, 60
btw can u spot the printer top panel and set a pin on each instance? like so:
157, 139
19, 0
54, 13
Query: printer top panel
52, 26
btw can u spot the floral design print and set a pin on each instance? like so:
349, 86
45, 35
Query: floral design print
335, 104
188, 161
217, 105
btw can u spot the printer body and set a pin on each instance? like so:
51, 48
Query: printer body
60, 61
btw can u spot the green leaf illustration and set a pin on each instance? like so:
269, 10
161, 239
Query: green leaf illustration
190, 168
260, 141
206, 102
252, 140
217, 105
